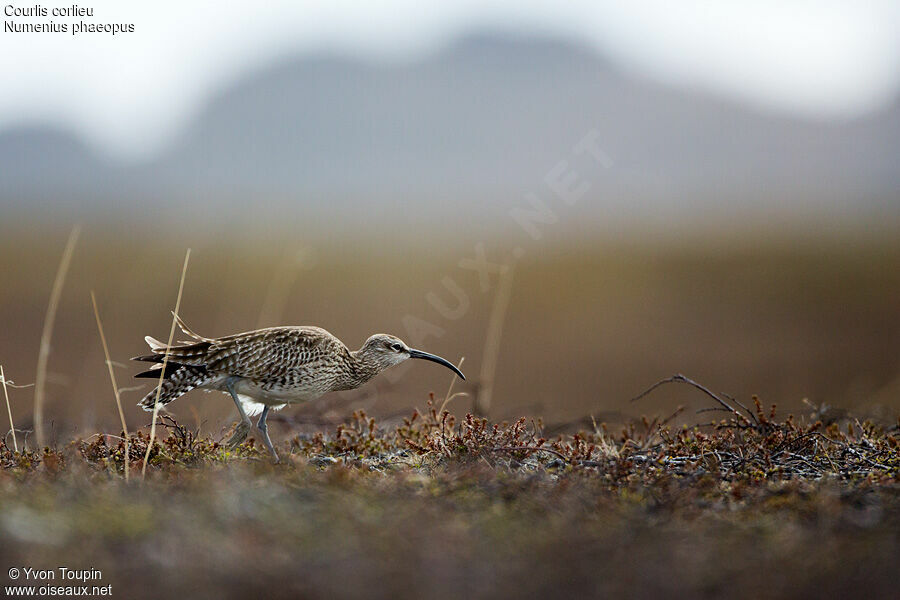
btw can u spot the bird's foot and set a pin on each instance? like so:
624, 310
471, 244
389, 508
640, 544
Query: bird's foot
241, 431
268, 443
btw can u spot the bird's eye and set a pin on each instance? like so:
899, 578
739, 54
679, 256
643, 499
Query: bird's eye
397, 347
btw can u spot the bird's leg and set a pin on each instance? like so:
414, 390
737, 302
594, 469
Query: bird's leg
243, 428
264, 430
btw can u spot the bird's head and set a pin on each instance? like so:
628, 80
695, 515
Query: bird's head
386, 351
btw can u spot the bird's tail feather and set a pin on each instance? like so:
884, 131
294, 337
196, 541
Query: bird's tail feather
179, 379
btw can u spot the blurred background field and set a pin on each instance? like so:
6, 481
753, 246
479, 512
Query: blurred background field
589, 324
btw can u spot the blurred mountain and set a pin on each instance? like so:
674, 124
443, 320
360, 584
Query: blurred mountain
475, 125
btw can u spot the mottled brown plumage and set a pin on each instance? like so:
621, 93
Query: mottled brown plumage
270, 368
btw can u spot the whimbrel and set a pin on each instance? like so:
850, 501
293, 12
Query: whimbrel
270, 368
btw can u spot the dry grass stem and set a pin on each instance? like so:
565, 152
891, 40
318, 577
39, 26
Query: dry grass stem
47, 334
482, 404
162, 372
12, 427
112, 378
450, 395
280, 286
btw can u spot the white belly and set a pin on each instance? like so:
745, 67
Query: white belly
270, 396
254, 397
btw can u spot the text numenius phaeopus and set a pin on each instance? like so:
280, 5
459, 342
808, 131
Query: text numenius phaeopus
271, 368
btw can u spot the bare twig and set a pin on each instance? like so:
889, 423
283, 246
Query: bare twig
132, 388
47, 334
679, 378
112, 378
15, 386
9, 410
677, 412
162, 372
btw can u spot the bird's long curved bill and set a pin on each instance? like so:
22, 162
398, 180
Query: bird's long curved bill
437, 359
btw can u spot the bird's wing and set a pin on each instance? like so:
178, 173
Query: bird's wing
272, 353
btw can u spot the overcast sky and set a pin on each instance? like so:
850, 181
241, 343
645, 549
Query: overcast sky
128, 95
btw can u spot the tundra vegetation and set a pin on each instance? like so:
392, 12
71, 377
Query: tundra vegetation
749, 505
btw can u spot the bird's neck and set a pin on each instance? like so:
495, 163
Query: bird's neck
360, 369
